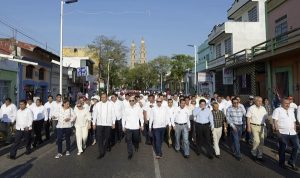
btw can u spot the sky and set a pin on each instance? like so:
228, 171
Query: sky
167, 26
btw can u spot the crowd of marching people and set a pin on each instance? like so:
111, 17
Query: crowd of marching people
183, 122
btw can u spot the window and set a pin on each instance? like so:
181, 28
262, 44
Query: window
228, 46
42, 74
4, 89
29, 71
218, 50
281, 27
252, 15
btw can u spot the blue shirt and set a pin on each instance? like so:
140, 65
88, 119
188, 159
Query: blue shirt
203, 116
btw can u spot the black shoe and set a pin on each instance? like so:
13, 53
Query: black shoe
198, 153
254, 158
130, 156
100, 156
238, 158
293, 166
11, 157
260, 160
218, 156
186, 156
210, 157
283, 166
28, 152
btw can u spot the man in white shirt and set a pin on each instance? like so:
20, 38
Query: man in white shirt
285, 126
256, 118
118, 109
103, 122
146, 112
56, 107
132, 122
24, 120
182, 126
30, 104
126, 100
39, 115
159, 117
47, 117
175, 100
8, 117
171, 109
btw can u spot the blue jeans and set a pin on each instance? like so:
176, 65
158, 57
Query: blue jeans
158, 134
184, 131
284, 140
236, 139
60, 133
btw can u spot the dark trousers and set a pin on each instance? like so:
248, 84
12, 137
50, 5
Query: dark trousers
203, 138
61, 132
18, 140
118, 130
47, 129
147, 135
103, 136
158, 134
192, 132
132, 139
37, 129
54, 124
284, 140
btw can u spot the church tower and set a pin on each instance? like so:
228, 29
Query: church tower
143, 52
132, 55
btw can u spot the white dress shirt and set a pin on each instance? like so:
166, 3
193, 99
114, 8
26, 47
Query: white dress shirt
171, 112
181, 116
24, 119
83, 117
147, 108
55, 110
31, 106
286, 120
125, 103
257, 115
103, 114
65, 114
48, 108
39, 113
118, 109
132, 118
8, 113
159, 116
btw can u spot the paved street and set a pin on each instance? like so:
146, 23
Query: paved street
41, 163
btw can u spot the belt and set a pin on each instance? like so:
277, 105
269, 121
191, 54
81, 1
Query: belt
256, 124
180, 124
203, 124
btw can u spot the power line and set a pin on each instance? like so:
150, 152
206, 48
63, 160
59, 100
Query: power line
27, 36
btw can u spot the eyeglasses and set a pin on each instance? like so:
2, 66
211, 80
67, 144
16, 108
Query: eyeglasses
235, 102
158, 101
131, 100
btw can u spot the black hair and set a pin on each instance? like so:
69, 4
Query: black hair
58, 95
181, 100
50, 96
202, 100
8, 99
23, 101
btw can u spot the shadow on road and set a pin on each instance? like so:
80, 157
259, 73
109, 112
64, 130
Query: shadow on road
19, 170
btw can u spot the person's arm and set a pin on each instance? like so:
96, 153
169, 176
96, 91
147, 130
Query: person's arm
29, 119
275, 118
95, 114
14, 114
249, 116
141, 117
211, 120
298, 113
151, 118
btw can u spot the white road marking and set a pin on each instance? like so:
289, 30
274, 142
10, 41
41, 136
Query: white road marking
156, 166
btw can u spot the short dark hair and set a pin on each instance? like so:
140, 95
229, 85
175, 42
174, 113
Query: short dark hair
151, 95
50, 96
23, 101
181, 100
58, 95
202, 101
170, 99
234, 99
115, 94
8, 99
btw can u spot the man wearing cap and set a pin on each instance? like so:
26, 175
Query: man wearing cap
256, 117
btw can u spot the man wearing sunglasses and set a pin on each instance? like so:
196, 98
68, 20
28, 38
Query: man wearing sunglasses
146, 112
132, 122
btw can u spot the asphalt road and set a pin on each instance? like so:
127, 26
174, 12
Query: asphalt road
41, 163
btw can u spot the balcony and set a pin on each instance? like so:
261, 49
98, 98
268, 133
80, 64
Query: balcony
238, 7
217, 31
238, 58
283, 43
216, 62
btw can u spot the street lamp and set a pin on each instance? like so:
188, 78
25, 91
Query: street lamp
107, 85
195, 56
62, 2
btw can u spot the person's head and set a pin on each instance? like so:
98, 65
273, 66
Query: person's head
266, 101
66, 104
151, 98
79, 105
193, 102
50, 98
58, 98
291, 99
103, 97
81, 99
258, 101
29, 101
182, 103
219, 99
187, 100
22, 104
7, 101
238, 99
215, 106
127, 96
228, 98
170, 102
193, 98
251, 99
38, 102
159, 102
165, 98
175, 97
216, 95
212, 100
285, 103
131, 101
235, 102
114, 97
202, 103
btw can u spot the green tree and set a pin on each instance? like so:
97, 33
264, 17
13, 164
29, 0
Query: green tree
179, 64
105, 48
